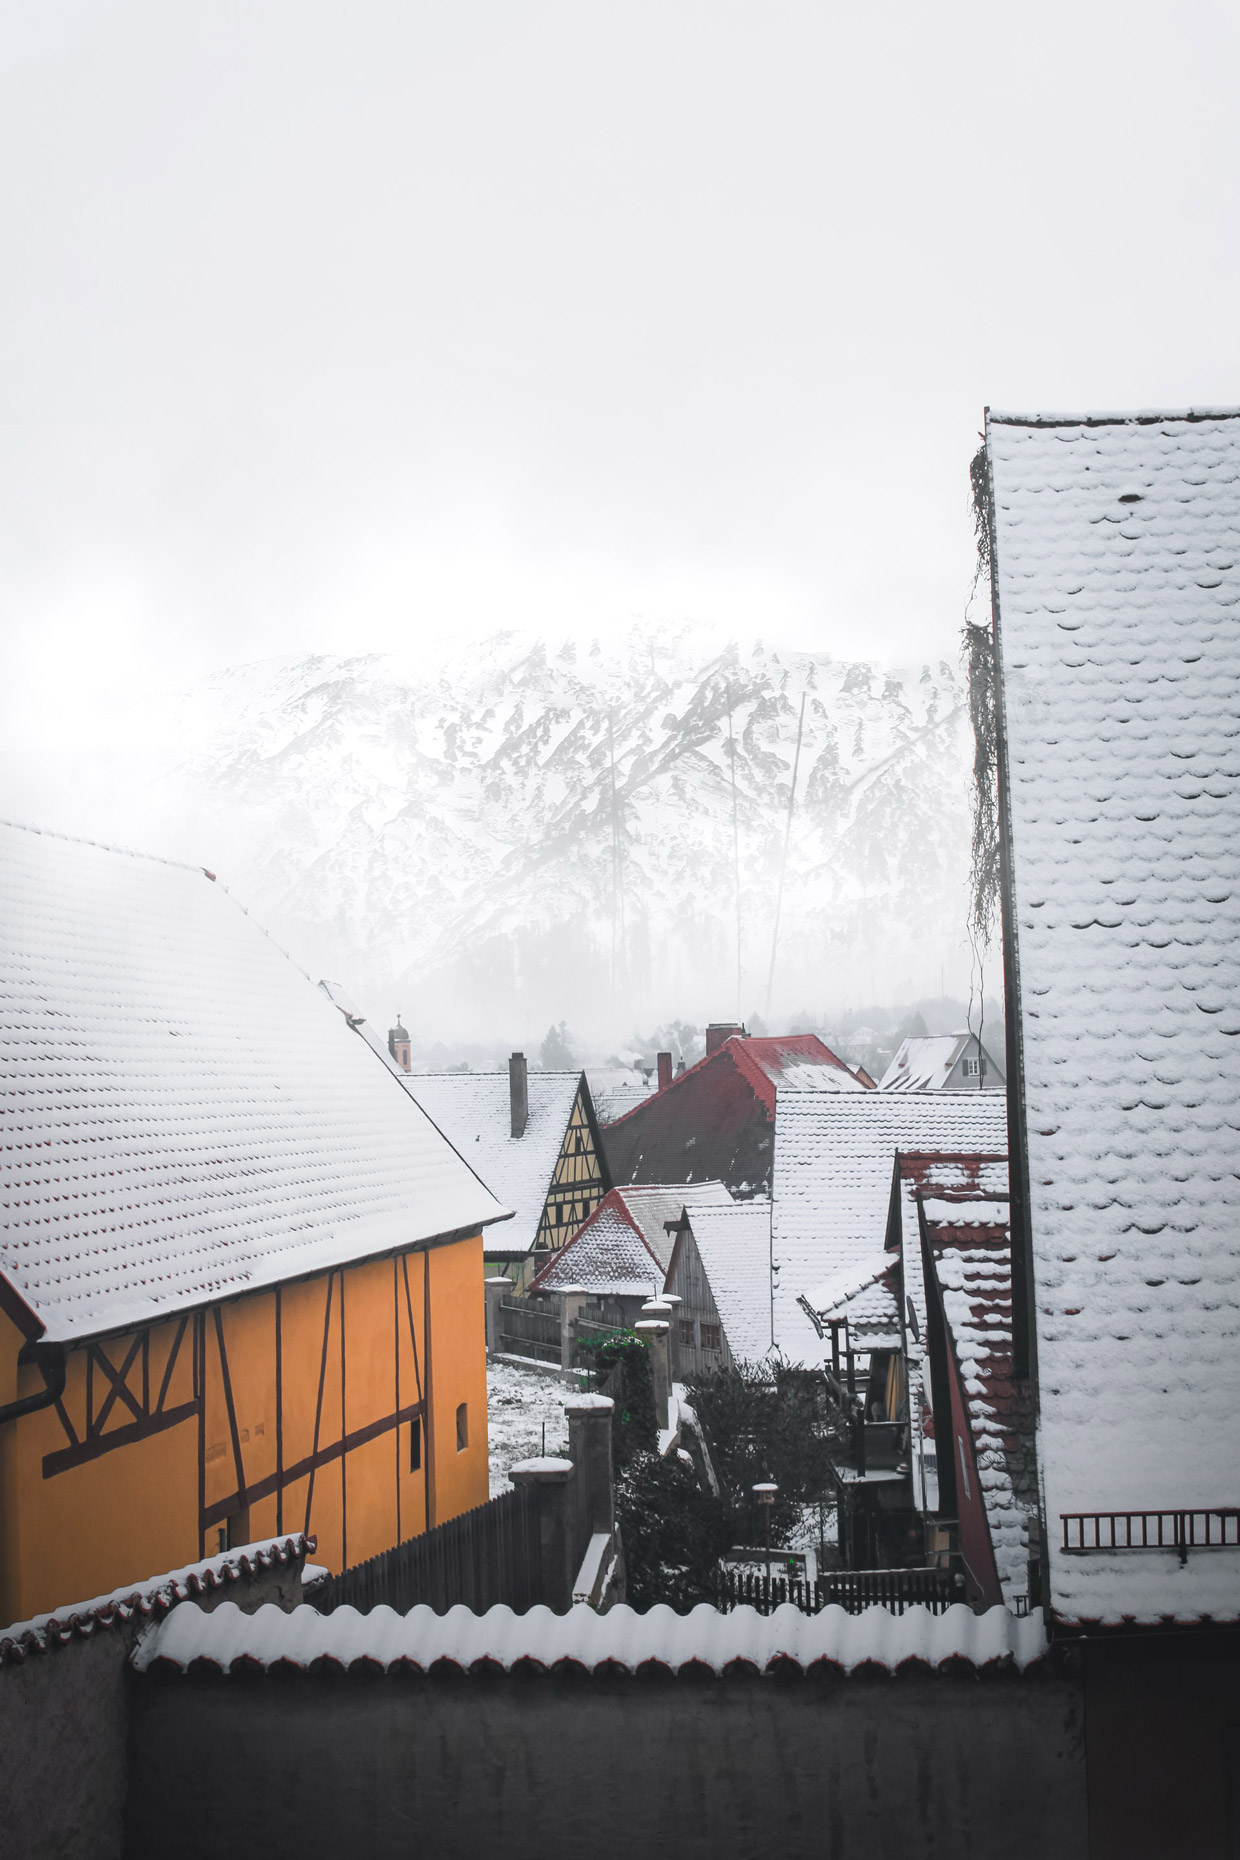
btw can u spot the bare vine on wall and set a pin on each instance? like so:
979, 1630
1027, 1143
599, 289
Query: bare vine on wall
979, 657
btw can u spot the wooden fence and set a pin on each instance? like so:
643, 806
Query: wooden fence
529, 1330
850, 1589
484, 1557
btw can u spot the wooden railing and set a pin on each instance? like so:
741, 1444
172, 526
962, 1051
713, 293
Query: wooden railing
1085, 1532
486, 1556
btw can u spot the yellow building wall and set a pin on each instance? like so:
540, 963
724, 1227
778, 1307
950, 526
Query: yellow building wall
316, 1363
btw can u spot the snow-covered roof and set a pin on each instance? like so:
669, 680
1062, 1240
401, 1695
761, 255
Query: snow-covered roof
623, 1247
474, 1112
970, 1244
872, 1311
834, 1162
622, 1637
154, 1595
734, 1243
186, 1115
927, 1064
1117, 565
616, 1096
929, 1174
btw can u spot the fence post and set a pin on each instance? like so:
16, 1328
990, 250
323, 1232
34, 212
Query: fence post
572, 1299
551, 1480
496, 1290
657, 1330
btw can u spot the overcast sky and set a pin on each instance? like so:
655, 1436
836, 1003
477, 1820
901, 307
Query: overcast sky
358, 325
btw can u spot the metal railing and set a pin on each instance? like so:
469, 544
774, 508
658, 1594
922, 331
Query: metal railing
850, 1589
1217, 1528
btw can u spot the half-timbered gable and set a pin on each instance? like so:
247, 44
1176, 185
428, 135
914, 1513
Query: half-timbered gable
533, 1138
240, 1272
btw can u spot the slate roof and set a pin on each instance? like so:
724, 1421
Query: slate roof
715, 1121
734, 1243
834, 1162
185, 1115
1117, 583
926, 1065
970, 1244
474, 1112
623, 1247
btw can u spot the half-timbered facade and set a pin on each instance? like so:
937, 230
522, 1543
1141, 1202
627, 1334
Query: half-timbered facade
533, 1138
240, 1272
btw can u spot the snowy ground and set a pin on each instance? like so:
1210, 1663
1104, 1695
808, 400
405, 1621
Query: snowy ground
518, 1403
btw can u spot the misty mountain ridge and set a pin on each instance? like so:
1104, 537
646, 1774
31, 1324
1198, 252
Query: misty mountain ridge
527, 832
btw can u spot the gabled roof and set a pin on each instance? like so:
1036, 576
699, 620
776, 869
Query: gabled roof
1116, 546
714, 1121
872, 1311
185, 1114
834, 1158
970, 1246
474, 1112
734, 1245
623, 1247
927, 1065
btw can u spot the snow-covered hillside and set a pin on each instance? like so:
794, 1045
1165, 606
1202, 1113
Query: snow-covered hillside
449, 842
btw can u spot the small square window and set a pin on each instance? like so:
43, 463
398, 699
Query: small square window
686, 1333
710, 1336
462, 1427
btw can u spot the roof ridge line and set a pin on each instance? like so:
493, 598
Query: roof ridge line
127, 852
1149, 416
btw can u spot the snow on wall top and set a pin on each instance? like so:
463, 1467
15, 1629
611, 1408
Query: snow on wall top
270, 1636
1117, 552
834, 1163
153, 1595
971, 1248
474, 1112
185, 1115
623, 1247
734, 1243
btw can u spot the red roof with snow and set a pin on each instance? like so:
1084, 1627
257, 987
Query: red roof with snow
716, 1120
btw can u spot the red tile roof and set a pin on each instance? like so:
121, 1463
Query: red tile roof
716, 1119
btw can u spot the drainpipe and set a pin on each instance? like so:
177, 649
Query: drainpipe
50, 1359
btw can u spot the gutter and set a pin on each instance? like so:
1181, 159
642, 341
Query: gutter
50, 1359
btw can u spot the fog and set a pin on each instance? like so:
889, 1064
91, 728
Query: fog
383, 328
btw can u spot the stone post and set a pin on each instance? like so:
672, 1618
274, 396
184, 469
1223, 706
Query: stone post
495, 1290
662, 1309
589, 1448
552, 1480
656, 1329
572, 1302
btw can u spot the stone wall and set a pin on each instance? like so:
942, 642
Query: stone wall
557, 1765
64, 1721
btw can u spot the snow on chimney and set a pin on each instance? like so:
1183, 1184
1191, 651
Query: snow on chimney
719, 1031
518, 1094
665, 1071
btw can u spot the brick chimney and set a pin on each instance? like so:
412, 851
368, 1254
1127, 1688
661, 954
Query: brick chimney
518, 1094
665, 1071
719, 1031
398, 1045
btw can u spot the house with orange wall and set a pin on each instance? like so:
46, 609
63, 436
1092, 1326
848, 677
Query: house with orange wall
240, 1269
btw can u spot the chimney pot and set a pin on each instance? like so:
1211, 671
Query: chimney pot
665, 1071
518, 1094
